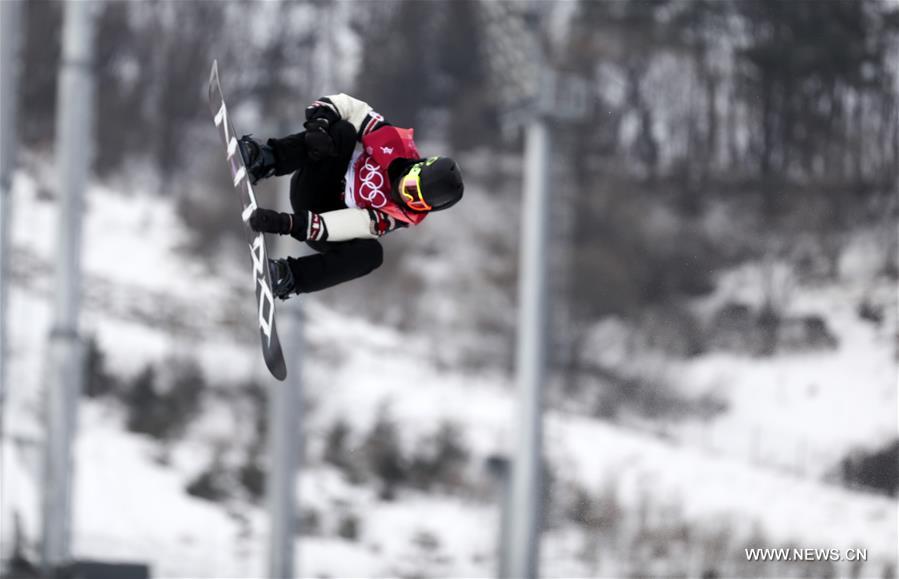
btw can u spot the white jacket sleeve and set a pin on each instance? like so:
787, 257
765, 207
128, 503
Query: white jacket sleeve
356, 112
346, 224
350, 109
353, 223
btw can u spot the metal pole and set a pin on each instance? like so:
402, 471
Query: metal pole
523, 541
524, 532
10, 18
284, 448
66, 352
285, 434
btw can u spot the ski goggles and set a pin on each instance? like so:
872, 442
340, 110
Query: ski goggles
410, 189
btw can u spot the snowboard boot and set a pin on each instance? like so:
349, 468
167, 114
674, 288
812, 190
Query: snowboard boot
258, 158
283, 284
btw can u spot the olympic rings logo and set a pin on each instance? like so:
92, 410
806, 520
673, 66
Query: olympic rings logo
371, 182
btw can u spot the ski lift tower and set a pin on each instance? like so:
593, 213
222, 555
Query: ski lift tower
531, 94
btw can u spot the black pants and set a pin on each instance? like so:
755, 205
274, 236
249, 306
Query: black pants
317, 186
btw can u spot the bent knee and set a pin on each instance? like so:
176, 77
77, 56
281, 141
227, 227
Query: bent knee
319, 246
372, 253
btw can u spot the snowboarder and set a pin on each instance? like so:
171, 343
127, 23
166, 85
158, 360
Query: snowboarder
355, 178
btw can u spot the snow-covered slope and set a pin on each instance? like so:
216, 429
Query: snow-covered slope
804, 411
130, 503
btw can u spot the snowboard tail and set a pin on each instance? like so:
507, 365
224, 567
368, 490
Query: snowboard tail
268, 334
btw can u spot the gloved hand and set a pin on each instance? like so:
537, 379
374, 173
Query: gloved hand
302, 226
319, 144
268, 221
382, 223
258, 158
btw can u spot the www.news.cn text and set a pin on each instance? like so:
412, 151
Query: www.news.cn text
806, 554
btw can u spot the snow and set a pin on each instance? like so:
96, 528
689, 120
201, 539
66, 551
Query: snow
465, 535
335, 557
755, 468
708, 487
807, 409
116, 516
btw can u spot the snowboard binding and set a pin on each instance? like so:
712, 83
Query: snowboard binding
258, 158
283, 283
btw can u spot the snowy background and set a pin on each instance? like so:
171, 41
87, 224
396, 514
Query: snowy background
724, 339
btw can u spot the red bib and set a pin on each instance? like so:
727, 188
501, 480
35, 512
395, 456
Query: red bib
367, 184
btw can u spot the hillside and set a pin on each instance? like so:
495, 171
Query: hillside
665, 499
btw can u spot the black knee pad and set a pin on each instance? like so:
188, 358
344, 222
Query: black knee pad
371, 252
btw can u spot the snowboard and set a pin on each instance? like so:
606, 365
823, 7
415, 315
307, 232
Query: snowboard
271, 345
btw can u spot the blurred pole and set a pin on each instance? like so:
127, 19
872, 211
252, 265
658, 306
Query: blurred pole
498, 468
522, 549
524, 532
285, 433
10, 19
521, 556
66, 352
